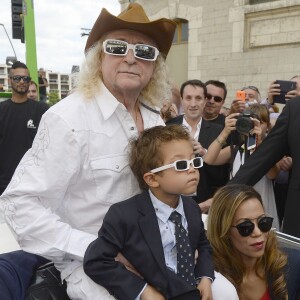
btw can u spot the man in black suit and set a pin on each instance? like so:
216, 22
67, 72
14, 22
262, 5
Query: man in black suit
193, 98
142, 229
282, 140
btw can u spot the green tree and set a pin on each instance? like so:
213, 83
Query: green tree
53, 98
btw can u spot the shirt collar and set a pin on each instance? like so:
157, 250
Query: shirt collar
107, 102
163, 211
189, 127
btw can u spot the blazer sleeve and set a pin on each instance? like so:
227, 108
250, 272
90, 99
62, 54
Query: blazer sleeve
99, 259
271, 150
204, 264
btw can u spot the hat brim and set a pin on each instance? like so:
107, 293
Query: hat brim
161, 30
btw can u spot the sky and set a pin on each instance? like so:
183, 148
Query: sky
58, 26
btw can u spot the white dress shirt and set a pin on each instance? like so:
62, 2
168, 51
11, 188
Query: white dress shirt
76, 169
189, 127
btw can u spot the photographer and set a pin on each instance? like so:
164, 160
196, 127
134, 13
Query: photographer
253, 124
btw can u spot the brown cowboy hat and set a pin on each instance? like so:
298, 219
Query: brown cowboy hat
134, 18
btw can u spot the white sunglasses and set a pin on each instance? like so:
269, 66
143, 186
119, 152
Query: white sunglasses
121, 48
181, 165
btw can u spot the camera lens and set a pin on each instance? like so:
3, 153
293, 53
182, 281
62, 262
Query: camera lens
244, 125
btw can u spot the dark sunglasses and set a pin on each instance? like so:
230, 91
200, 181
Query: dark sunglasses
18, 78
246, 228
216, 98
251, 87
181, 165
121, 48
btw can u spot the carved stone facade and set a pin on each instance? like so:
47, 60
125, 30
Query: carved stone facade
233, 41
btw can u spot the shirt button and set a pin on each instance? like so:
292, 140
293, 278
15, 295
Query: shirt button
117, 167
131, 128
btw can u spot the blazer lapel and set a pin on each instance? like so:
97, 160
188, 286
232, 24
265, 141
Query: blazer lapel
204, 133
194, 223
149, 227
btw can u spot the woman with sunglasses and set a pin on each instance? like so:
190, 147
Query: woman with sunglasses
245, 249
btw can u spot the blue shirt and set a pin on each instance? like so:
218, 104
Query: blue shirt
167, 229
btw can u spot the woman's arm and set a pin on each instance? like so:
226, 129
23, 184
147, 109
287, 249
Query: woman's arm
215, 155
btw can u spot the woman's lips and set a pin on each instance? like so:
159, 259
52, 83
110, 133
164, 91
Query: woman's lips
258, 245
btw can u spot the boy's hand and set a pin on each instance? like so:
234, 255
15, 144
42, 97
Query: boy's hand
150, 293
204, 287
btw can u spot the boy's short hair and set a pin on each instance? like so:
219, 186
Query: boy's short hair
145, 153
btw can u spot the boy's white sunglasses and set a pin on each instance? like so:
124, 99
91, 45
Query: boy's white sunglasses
181, 165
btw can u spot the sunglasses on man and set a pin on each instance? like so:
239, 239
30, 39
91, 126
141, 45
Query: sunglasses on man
18, 78
181, 165
217, 99
121, 48
247, 227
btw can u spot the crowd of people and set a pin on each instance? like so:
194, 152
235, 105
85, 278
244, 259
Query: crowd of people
127, 133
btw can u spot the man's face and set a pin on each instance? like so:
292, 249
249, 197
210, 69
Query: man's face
127, 75
193, 102
213, 105
32, 92
20, 87
252, 95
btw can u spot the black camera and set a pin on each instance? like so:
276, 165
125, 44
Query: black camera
244, 124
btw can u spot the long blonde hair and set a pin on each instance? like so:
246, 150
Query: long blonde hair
89, 78
227, 259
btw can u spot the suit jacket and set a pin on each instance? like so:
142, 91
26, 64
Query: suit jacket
131, 227
282, 140
211, 177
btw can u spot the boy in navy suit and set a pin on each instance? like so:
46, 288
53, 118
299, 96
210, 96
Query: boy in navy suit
141, 228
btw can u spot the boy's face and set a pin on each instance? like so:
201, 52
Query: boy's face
171, 182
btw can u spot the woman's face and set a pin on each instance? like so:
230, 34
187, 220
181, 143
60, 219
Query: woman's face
250, 247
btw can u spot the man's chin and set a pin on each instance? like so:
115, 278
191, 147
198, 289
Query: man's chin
22, 92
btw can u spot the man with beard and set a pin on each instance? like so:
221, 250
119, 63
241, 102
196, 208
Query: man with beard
19, 120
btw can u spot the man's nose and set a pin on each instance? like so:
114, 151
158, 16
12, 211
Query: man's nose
130, 56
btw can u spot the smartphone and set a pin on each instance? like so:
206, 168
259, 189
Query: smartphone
240, 95
251, 141
285, 86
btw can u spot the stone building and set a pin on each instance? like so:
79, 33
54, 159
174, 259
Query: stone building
240, 42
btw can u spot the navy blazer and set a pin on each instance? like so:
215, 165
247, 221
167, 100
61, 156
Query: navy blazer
282, 140
131, 227
211, 177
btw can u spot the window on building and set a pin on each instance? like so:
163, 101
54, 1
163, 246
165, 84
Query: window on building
182, 32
